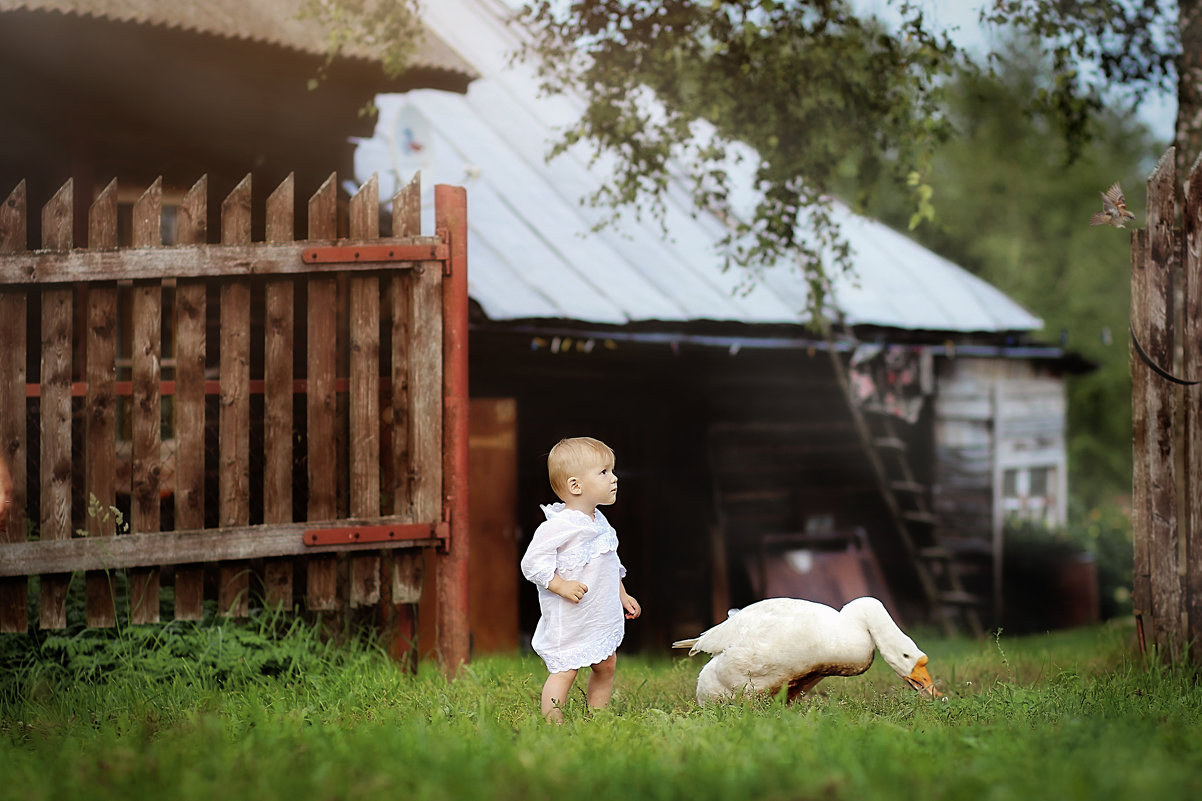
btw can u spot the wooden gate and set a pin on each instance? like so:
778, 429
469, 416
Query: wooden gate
273, 420
1166, 296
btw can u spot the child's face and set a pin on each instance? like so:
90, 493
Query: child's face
597, 484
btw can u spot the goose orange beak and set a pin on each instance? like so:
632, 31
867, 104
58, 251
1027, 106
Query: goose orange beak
920, 679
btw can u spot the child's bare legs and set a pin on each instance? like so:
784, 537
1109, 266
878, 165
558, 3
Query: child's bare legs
600, 688
555, 693
601, 682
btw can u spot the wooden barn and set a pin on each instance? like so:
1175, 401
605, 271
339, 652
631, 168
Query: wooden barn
750, 462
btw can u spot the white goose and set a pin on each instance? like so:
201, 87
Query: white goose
782, 642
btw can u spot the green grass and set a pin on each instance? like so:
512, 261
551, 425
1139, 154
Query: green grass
224, 712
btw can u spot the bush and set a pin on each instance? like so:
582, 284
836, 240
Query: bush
1047, 572
1105, 532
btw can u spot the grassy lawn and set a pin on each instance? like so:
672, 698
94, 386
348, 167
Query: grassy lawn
225, 712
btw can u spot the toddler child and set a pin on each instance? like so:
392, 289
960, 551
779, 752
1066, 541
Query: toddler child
573, 558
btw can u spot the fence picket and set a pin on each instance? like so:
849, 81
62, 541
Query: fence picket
364, 395
233, 476
100, 462
403, 570
191, 312
425, 391
146, 406
322, 446
13, 310
277, 395
55, 407
406, 221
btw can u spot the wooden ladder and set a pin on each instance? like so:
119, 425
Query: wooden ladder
914, 521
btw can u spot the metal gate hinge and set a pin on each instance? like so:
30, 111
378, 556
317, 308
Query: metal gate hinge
350, 254
445, 235
354, 535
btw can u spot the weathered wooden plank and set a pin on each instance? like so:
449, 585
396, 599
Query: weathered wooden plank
406, 221
322, 339
277, 400
146, 403
192, 215
1161, 402
405, 577
13, 311
234, 420
1141, 590
425, 392
100, 461
364, 395
235, 543
55, 407
188, 405
186, 261
1191, 336
451, 576
13, 222
403, 572
425, 382
58, 222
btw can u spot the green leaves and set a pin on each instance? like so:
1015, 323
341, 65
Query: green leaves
924, 192
389, 30
1104, 53
815, 91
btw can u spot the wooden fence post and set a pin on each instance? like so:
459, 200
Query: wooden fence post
1191, 367
1164, 593
450, 208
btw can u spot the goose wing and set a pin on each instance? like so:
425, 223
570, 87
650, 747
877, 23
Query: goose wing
757, 625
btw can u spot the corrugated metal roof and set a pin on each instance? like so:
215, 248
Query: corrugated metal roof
531, 253
271, 21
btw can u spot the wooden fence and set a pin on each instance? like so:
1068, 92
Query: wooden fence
1166, 297
278, 420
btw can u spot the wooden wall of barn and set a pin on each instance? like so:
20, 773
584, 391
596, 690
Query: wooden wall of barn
993, 416
771, 426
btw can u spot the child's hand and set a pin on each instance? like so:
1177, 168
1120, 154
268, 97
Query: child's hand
631, 606
569, 590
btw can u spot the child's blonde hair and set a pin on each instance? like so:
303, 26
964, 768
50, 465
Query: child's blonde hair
570, 456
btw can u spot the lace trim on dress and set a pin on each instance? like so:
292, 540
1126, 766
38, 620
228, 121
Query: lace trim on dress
588, 654
580, 555
560, 509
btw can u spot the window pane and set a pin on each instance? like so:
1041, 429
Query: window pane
1010, 483
1040, 482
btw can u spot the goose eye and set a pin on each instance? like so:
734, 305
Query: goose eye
905, 656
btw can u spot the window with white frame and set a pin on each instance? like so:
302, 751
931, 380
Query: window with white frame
1029, 493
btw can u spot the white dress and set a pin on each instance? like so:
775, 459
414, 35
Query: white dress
584, 549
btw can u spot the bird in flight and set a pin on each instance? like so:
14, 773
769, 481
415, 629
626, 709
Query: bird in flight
1114, 208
